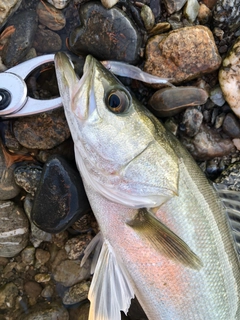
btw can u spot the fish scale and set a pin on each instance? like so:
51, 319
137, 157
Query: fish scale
171, 245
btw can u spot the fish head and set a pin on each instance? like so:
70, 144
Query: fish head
121, 149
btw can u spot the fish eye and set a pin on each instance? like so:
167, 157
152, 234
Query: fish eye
118, 101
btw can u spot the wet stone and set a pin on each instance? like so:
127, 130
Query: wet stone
182, 54
69, 272
37, 236
20, 42
47, 41
76, 293
42, 256
59, 4
28, 255
192, 120
32, 289
216, 96
191, 10
119, 38
75, 247
8, 186
28, 177
229, 77
8, 295
207, 144
167, 102
81, 312
50, 17
60, 191
230, 177
231, 126
13, 229
45, 311
42, 131
7, 8
174, 5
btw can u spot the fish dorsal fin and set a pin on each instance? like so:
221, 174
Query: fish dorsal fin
110, 290
163, 239
231, 203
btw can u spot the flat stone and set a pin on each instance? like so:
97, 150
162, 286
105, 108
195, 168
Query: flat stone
69, 272
20, 42
231, 126
13, 229
182, 54
42, 131
50, 16
229, 77
47, 41
207, 144
174, 5
60, 198
119, 38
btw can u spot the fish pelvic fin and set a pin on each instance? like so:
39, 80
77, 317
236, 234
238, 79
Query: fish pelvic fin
110, 291
163, 239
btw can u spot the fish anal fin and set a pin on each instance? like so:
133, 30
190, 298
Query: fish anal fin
163, 239
110, 290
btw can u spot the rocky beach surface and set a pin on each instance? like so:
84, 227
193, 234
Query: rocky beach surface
46, 221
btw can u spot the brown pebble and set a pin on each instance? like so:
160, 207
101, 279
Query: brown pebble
32, 289
50, 17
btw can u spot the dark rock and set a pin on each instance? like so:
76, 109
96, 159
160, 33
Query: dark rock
60, 199
47, 41
230, 177
192, 120
231, 126
119, 38
25, 24
42, 131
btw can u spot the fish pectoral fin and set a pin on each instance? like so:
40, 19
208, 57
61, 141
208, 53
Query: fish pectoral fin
163, 239
231, 203
110, 291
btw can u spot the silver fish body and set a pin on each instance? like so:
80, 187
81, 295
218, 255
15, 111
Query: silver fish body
131, 167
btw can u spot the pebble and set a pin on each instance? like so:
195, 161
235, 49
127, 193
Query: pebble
13, 229
191, 10
75, 247
27, 177
192, 120
20, 42
8, 187
170, 101
204, 14
62, 192
37, 236
42, 256
230, 177
8, 7
42, 131
69, 272
147, 17
28, 255
81, 312
42, 277
59, 4
118, 40
77, 293
216, 96
174, 5
182, 54
32, 289
226, 15
231, 126
47, 292
46, 311
229, 77
207, 144
8, 295
50, 17
47, 41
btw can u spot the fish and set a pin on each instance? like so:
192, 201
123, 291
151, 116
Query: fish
165, 237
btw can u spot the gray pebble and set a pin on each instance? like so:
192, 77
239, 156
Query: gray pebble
192, 120
8, 295
231, 126
76, 293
